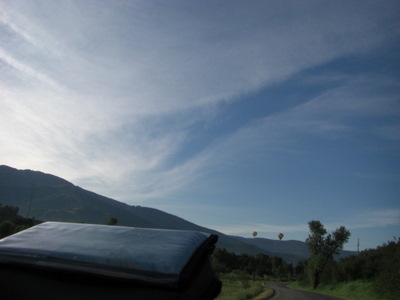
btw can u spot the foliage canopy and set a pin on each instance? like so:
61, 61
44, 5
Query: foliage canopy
323, 247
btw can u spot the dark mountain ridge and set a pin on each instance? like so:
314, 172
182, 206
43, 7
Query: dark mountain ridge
14, 177
50, 198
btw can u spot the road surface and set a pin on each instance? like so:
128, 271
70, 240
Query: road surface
282, 292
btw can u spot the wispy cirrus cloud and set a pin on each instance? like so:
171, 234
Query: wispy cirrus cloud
376, 218
97, 82
187, 104
330, 115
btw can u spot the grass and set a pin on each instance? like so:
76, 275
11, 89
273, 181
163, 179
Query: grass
268, 293
239, 287
353, 290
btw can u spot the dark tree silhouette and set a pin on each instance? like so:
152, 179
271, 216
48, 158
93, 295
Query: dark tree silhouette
323, 247
112, 221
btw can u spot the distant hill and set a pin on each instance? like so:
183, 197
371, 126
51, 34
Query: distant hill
287, 247
55, 199
283, 246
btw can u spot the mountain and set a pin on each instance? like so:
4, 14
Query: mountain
287, 247
50, 198
282, 246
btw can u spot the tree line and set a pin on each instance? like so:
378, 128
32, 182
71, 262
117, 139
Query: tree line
322, 247
11, 222
260, 265
381, 266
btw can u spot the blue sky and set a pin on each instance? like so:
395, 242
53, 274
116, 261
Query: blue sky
235, 115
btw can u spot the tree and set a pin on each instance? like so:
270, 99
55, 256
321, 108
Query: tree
6, 228
112, 221
323, 247
8, 212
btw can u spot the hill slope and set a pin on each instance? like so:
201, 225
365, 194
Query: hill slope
55, 199
288, 247
50, 198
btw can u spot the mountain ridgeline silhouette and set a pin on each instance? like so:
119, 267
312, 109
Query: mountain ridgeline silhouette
51, 198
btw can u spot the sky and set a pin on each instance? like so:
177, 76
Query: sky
239, 116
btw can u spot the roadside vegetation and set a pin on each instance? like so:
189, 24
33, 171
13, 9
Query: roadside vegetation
351, 290
257, 266
239, 285
245, 276
370, 274
11, 222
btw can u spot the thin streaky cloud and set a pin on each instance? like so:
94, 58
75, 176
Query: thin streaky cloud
235, 67
155, 102
379, 218
279, 133
25, 69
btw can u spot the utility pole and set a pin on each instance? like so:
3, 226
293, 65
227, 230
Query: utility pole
30, 200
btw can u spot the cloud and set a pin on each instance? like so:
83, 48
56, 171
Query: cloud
332, 115
378, 218
99, 89
193, 60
